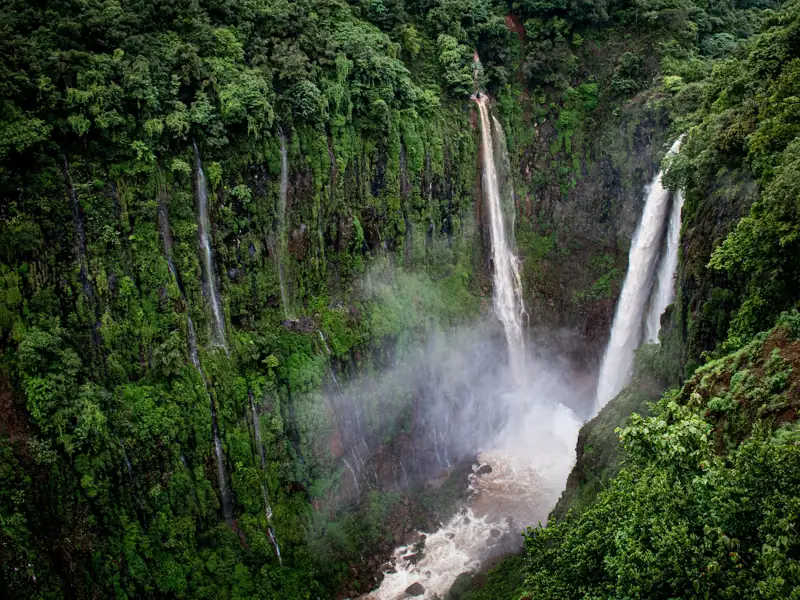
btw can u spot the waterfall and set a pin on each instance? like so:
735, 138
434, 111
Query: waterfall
664, 290
507, 293
626, 331
281, 218
227, 507
194, 357
267, 508
203, 226
330, 364
355, 477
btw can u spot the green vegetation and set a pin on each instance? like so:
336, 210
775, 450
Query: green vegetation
741, 160
707, 499
108, 474
108, 477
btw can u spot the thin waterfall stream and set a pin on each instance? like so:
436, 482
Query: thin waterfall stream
209, 273
281, 224
194, 357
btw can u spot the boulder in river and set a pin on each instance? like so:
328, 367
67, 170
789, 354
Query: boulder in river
415, 589
483, 470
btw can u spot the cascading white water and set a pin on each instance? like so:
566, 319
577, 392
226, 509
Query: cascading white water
664, 290
626, 332
530, 447
203, 226
281, 233
507, 293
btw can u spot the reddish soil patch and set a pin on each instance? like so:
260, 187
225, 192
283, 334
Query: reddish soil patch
514, 24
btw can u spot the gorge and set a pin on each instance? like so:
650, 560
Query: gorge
304, 300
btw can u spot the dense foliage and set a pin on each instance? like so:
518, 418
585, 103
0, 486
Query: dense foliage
109, 109
741, 160
111, 486
706, 504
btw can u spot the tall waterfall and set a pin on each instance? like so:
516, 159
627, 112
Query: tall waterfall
203, 226
507, 286
512, 419
664, 290
194, 357
281, 223
626, 332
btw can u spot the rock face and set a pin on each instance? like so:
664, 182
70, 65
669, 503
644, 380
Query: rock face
597, 451
415, 589
574, 252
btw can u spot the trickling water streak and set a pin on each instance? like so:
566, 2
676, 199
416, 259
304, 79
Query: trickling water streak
274, 541
357, 459
507, 293
192, 342
330, 366
80, 234
355, 478
375, 475
129, 468
203, 226
360, 430
626, 331
405, 475
194, 357
284, 190
227, 509
257, 432
664, 291
267, 508
166, 238
444, 441
436, 447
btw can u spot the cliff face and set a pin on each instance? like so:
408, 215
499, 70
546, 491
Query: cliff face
577, 234
149, 371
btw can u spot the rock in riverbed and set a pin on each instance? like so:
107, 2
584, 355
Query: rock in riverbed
415, 589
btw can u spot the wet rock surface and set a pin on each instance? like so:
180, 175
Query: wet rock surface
415, 589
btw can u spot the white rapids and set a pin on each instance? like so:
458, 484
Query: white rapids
526, 478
